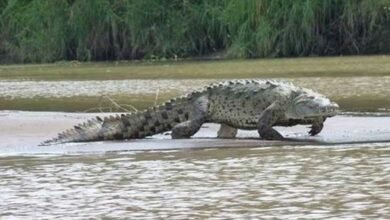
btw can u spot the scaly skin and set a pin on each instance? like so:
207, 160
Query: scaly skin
239, 104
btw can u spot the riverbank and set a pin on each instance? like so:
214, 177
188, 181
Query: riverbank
23, 131
347, 66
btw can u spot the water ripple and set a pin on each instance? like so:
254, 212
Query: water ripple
286, 183
342, 87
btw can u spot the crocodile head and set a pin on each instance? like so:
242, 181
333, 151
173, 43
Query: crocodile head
309, 104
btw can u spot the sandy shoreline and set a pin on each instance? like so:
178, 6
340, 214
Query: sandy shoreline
22, 131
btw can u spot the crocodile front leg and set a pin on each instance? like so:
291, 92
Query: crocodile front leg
317, 126
269, 118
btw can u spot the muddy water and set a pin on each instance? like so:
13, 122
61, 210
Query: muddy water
368, 93
331, 86
301, 182
342, 182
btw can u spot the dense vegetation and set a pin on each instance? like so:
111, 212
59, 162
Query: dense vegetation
50, 30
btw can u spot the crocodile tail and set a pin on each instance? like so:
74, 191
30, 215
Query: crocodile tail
151, 121
87, 131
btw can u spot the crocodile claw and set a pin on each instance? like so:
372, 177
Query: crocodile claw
315, 129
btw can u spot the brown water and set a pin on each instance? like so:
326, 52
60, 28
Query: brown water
301, 182
365, 93
337, 182
339, 87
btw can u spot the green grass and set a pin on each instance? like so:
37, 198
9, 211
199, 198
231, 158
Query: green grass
263, 68
86, 30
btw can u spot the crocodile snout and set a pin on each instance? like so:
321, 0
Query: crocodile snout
331, 109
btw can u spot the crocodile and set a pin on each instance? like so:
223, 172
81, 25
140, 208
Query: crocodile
235, 104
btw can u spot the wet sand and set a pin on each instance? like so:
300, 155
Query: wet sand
21, 132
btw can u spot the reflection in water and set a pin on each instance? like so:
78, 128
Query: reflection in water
288, 182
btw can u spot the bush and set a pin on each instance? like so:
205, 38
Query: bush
50, 30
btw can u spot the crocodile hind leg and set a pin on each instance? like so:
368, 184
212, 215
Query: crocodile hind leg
269, 118
186, 129
225, 131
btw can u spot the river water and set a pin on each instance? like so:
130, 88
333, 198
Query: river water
350, 181
365, 93
342, 87
307, 182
